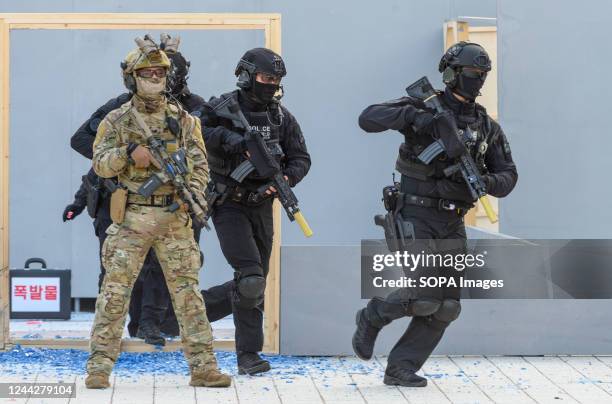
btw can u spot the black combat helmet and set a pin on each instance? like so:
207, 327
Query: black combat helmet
453, 64
260, 60
177, 77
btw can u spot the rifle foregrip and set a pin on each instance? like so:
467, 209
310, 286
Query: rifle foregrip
299, 218
484, 200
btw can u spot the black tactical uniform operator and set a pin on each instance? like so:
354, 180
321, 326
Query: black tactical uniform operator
243, 215
150, 306
433, 203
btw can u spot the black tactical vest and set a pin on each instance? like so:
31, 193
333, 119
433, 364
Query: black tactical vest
409, 165
259, 121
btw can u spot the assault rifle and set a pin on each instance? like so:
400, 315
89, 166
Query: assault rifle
262, 160
173, 170
423, 90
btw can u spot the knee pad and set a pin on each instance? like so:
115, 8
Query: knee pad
449, 310
250, 287
424, 307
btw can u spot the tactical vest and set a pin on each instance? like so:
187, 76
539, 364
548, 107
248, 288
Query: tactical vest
259, 121
410, 166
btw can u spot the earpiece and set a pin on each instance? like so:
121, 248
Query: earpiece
244, 80
245, 71
129, 82
449, 77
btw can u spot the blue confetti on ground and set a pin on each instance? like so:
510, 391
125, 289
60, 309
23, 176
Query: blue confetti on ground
22, 360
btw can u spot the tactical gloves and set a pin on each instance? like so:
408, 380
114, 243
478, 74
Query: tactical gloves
235, 144
72, 211
445, 128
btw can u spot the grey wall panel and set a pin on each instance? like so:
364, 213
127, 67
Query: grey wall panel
321, 295
554, 106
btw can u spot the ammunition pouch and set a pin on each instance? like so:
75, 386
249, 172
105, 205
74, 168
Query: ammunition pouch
414, 169
93, 197
118, 204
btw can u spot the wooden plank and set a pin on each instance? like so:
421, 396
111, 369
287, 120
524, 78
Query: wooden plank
453, 382
52, 376
491, 380
569, 379
297, 388
4, 183
272, 294
216, 396
256, 390
139, 26
334, 384
455, 31
368, 377
11, 373
127, 345
530, 380
32, 19
593, 369
85, 395
133, 390
171, 388
428, 394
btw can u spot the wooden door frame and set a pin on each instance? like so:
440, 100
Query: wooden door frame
270, 23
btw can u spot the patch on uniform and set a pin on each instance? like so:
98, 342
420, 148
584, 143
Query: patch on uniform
112, 229
506, 147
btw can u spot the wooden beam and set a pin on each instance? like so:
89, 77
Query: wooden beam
127, 345
184, 19
455, 31
272, 294
139, 26
4, 183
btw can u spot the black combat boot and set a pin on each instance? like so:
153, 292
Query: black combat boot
403, 377
364, 336
250, 363
151, 334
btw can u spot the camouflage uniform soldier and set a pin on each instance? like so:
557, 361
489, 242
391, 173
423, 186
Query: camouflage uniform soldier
147, 222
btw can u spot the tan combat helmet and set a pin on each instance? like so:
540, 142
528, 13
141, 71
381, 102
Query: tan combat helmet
148, 54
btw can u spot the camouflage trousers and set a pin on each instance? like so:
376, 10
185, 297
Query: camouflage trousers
123, 253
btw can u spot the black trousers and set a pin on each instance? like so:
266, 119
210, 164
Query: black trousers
423, 333
245, 234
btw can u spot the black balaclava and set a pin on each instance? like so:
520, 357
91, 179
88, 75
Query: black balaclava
469, 87
263, 93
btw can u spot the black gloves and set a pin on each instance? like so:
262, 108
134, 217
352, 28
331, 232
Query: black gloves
72, 211
489, 181
445, 128
235, 144
422, 120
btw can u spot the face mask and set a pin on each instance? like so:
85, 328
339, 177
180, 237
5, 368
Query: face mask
150, 87
469, 87
264, 92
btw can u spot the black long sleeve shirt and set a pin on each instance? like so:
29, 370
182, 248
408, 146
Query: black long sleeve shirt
413, 119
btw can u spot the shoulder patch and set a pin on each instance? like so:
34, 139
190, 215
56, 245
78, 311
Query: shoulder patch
118, 114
